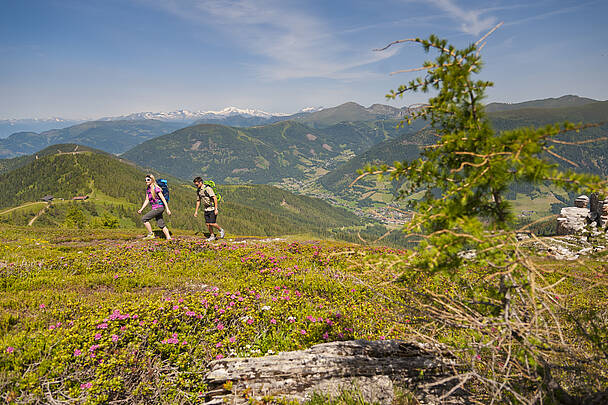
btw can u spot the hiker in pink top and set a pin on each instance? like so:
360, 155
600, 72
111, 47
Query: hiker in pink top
154, 197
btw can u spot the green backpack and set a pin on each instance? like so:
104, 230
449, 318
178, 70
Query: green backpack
211, 184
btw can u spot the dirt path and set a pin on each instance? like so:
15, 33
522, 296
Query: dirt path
42, 211
21, 206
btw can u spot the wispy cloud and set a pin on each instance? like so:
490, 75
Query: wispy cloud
471, 21
295, 43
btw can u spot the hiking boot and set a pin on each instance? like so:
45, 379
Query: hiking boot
212, 237
222, 233
150, 236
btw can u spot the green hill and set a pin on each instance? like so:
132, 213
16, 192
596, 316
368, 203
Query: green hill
236, 155
263, 154
7, 165
560, 102
109, 136
116, 190
350, 112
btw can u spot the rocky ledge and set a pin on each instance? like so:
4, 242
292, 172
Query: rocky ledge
373, 368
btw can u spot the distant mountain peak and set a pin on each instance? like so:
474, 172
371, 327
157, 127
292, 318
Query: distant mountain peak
310, 109
187, 115
565, 101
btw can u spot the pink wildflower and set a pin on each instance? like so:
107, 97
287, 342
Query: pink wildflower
42, 306
97, 336
232, 339
10, 349
86, 385
220, 326
249, 321
219, 344
273, 321
77, 352
219, 356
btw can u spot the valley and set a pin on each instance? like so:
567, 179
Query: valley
316, 154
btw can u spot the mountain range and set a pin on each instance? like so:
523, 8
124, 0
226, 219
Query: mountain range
8, 127
315, 152
230, 116
110, 136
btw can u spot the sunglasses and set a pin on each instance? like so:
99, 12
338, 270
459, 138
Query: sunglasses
148, 179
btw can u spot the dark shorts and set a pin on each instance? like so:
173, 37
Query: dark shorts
157, 214
210, 217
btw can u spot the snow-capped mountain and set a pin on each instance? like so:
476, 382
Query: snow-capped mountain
231, 116
310, 110
186, 115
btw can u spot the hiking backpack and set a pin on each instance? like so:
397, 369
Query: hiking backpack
162, 183
211, 184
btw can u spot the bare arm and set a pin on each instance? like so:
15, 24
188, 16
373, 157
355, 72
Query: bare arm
198, 204
143, 206
215, 203
162, 198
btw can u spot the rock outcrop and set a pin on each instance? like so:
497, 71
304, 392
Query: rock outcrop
373, 368
586, 211
571, 220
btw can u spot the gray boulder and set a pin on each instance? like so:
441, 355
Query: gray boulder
571, 220
373, 368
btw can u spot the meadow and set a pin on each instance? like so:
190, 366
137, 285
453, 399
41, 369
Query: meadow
94, 316
99, 316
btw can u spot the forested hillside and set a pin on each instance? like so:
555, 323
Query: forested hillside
7, 165
115, 190
588, 157
264, 154
350, 112
567, 101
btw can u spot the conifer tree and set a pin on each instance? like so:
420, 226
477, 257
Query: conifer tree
505, 317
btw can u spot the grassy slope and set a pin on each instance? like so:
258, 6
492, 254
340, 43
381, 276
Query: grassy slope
250, 210
113, 317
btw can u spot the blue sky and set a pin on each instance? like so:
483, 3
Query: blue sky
88, 59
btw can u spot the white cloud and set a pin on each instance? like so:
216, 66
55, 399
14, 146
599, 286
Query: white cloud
295, 43
471, 21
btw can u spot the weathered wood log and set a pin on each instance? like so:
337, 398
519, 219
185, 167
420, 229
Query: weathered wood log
372, 368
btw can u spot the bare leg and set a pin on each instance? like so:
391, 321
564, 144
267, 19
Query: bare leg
148, 226
214, 225
166, 232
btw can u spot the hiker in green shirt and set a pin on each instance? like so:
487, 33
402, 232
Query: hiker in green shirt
206, 194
